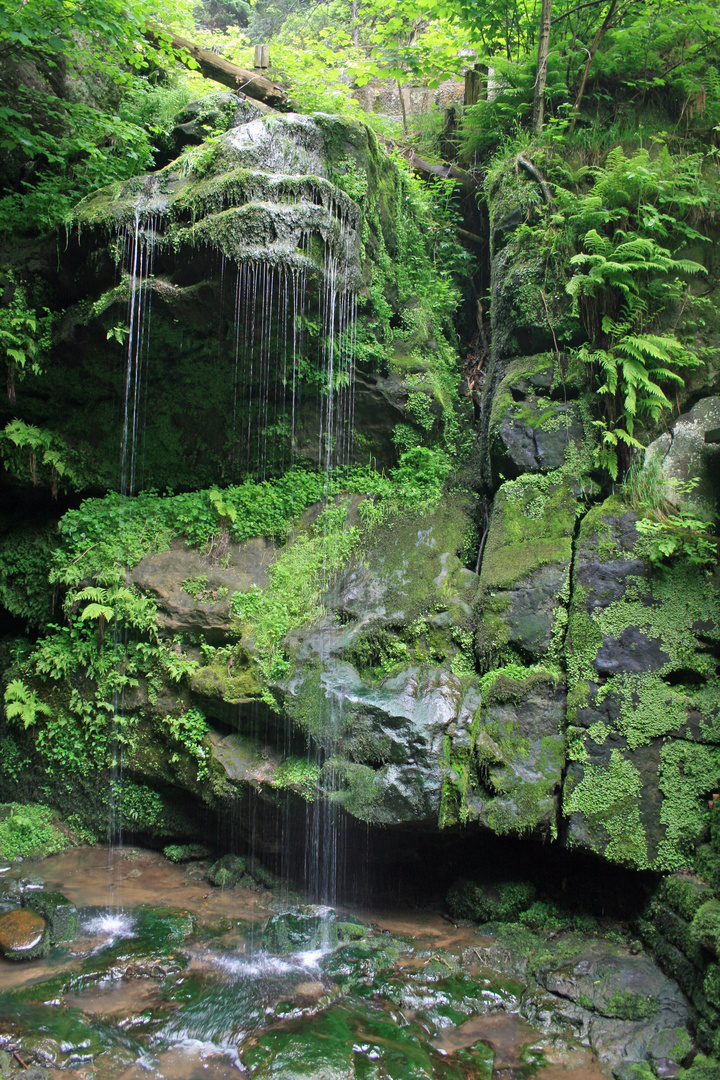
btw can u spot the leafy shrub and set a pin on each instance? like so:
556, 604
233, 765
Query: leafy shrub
27, 831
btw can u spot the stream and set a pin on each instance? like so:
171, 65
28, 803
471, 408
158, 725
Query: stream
167, 980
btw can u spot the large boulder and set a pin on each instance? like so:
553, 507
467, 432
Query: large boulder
643, 710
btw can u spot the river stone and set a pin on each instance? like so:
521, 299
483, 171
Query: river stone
23, 935
629, 998
300, 929
60, 914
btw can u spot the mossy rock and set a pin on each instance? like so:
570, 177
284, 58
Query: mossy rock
348, 930
180, 853
300, 930
483, 902
532, 423
705, 926
642, 698
227, 871
685, 894
58, 912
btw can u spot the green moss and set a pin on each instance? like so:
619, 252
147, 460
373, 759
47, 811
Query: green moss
532, 525
180, 853
688, 771
607, 798
298, 774
626, 1005
705, 927
684, 894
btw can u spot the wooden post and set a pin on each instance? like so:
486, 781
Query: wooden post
475, 85
262, 56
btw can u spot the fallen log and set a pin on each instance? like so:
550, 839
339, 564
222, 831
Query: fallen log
466, 182
214, 67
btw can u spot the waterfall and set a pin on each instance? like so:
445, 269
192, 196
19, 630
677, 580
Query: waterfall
140, 249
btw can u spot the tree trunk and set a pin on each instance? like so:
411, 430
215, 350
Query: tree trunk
402, 108
593, 49
214, 67
355, 25
542, 66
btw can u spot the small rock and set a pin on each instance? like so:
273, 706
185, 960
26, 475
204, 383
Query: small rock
60, 914
23, 935
36, 1072
31, 884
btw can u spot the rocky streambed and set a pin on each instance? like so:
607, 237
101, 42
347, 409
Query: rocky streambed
169, 977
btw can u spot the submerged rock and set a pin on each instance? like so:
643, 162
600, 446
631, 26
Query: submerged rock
301, 929
23, 935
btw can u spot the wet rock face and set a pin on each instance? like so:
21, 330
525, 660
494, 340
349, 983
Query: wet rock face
243, 236
23, 935
376, 683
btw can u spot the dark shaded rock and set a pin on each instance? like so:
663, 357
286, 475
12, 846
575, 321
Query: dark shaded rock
57, 911
682, 455
23, 935
227, 871
300, 930
500, 901
532, 423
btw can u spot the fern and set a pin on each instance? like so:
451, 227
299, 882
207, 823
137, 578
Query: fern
23, 704
625, 283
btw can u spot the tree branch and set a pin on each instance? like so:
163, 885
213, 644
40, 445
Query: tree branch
214, 67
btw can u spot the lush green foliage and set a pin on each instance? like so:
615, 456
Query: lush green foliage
28, 831
668, 529
75, 142
654, 67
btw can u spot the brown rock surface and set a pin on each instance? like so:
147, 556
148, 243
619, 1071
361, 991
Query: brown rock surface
23, 935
